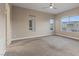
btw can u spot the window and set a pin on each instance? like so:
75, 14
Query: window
64, 22
32, 23
70, 24
52, 24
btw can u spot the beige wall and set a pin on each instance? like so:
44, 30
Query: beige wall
20, 23
2, 29
73, 12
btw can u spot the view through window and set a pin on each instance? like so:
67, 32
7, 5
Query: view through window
70, 24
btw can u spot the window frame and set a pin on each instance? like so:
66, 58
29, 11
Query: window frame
53, 25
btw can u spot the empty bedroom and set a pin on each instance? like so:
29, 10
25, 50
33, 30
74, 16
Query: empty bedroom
42, 29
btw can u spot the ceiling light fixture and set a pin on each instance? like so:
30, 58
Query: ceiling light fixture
50, 7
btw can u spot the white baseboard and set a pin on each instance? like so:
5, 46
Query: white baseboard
67, 36
31, 37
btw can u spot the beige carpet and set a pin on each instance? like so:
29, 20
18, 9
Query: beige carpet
44, 46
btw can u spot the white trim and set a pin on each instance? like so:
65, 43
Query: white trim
67, 36
31, 37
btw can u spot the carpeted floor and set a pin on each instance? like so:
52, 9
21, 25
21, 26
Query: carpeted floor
44, 46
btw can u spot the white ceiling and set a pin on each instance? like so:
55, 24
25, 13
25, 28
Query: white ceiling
61, 7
